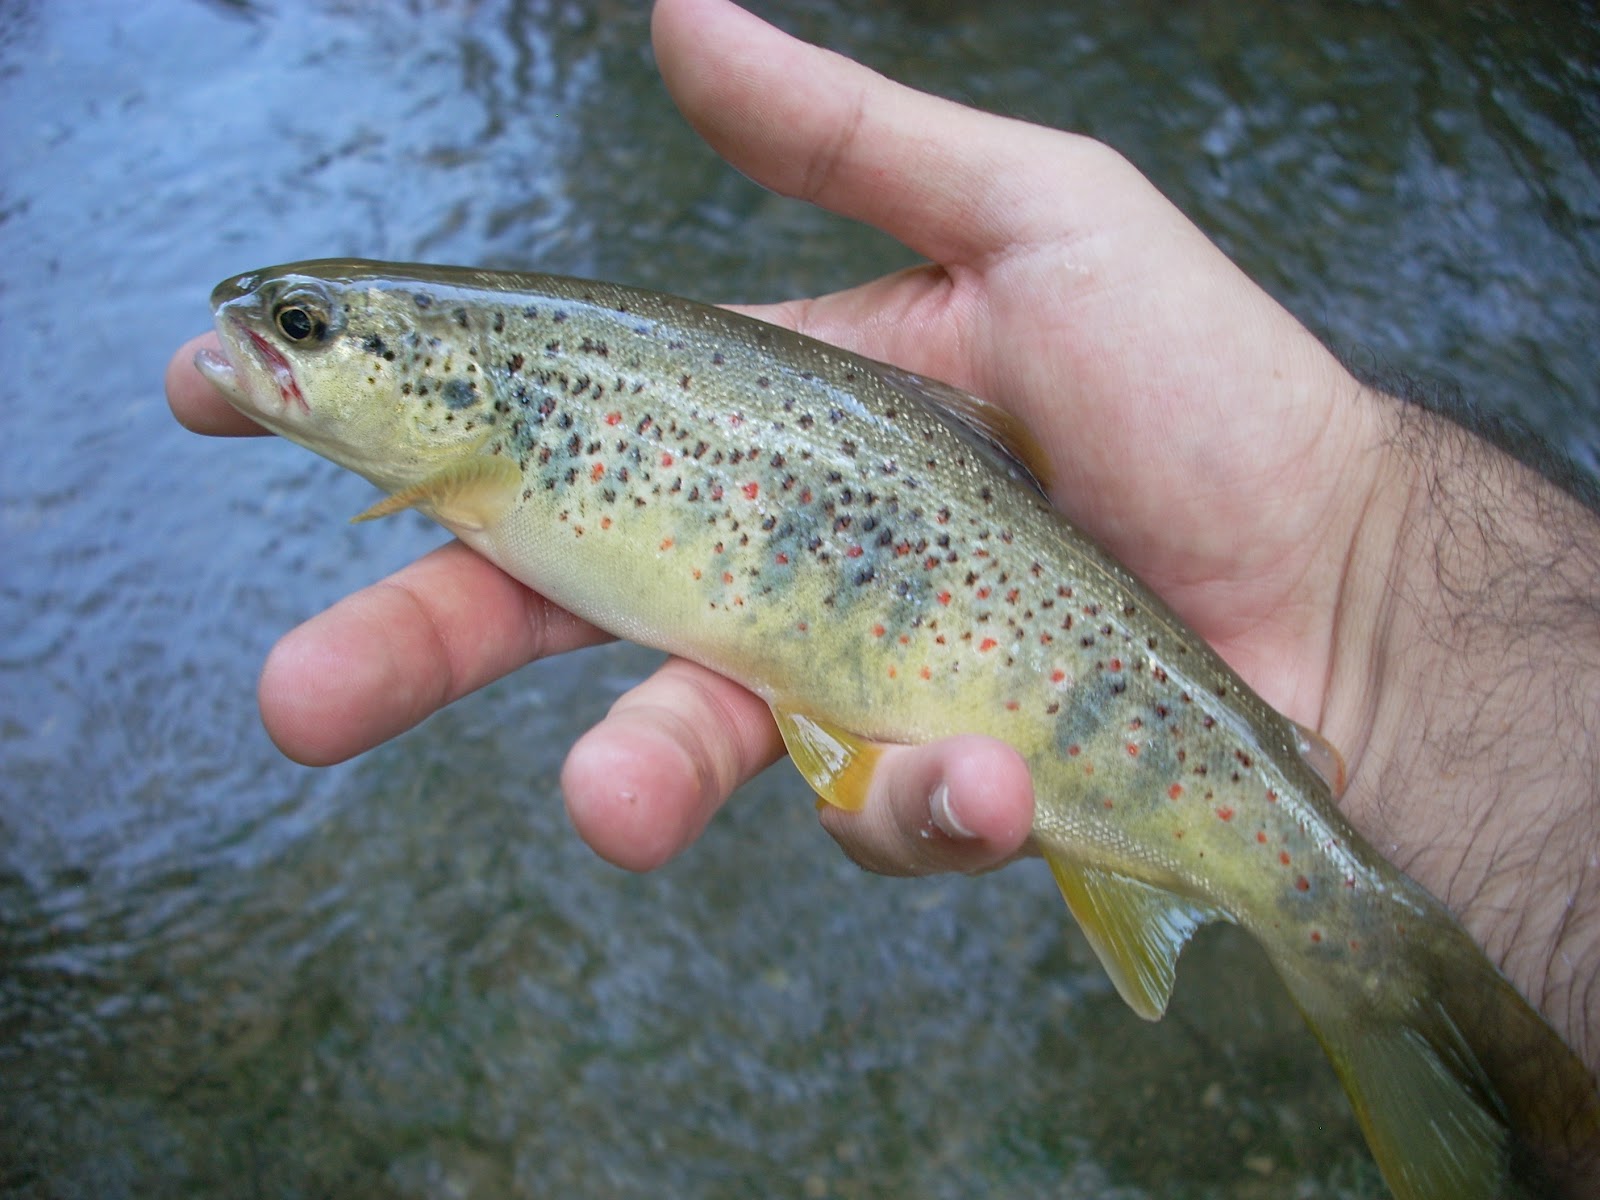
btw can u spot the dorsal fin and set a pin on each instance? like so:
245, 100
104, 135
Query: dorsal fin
1003, 439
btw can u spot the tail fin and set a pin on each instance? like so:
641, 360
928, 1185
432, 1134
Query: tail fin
1462, 1089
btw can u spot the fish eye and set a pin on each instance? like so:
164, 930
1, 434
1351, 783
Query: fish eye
299, 323
305, 314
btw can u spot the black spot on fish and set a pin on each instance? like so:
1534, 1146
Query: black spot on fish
459, 393
422, 299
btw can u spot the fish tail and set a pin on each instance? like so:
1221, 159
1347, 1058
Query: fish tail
1463, 1091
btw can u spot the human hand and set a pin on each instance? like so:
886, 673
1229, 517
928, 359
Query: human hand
1193, 427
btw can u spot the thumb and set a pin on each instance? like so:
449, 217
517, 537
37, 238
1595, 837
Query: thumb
963, 804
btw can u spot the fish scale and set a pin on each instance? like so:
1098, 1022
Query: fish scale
864, 549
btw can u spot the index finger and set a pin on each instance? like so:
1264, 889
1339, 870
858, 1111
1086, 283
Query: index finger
812, 124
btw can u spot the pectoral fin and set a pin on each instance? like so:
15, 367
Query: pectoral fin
468, 494
1137, 930
836, 763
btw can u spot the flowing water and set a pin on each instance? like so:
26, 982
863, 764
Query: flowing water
225, 975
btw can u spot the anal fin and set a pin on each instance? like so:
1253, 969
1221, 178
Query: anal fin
1136, 929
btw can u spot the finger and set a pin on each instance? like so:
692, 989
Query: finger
641, 785
812, 124
963, 804
383, 659
198, 405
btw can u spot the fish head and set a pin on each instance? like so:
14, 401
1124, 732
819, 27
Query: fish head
358, 367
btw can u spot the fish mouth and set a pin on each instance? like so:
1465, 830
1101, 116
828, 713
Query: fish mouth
221, 374
282, 373
228, 379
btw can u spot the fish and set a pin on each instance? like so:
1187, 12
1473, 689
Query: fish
871, 552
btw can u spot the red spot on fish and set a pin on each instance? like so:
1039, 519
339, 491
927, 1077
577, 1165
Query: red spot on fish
782, 560
1115, 664
1012, 706
1316, 935
1074, 750
987, 644
666, 543
1108, 803
805, 495
1175, 791
1133, 751
878, 631
1272, 796
1283, 857
893, 673
1261, 836
596, 471
925, 673
1302, 884
605, 522
1057, 675
929, 563
726, 577
613, 418
751, 490
697, 572
853, 552
1011, 596
666, 458
1225, 813
983, 593
905, 639
903, 549
802, 627
944, 597
716, 491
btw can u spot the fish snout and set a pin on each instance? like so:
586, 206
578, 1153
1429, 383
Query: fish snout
230, 291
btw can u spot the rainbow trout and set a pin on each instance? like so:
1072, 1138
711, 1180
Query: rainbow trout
855, 544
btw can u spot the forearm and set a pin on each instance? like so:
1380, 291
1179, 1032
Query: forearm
1468, 689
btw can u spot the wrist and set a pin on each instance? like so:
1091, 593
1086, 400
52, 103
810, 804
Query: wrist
1466, 668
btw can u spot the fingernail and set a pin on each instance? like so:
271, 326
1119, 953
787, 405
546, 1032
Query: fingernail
944, 816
